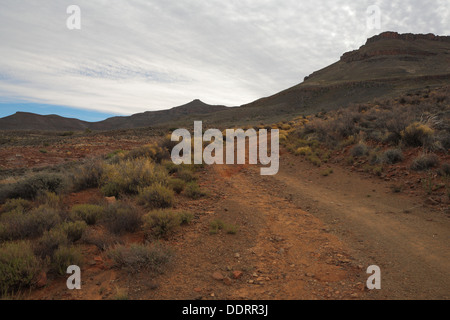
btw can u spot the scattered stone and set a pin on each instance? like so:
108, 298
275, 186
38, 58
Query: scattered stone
237, 255
217, 276
227, 281
198, 290
42, 280
237, 274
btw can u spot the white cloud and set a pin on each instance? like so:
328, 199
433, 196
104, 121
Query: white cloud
133, 56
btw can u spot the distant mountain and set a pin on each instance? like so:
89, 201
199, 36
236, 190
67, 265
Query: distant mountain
388, 65
31, 121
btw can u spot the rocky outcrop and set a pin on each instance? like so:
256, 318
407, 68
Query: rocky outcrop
360, 54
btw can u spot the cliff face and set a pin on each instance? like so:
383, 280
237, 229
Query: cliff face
395, 45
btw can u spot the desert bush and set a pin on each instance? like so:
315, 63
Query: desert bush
194, 191
156, 196
16, 204
28, 188
425, 162
186, 175
216, 225
64, 257
359, 150
153, 257
73, 230
177, 185
88, 175
20, 225
303, 151
162, 223
150, 151
89, 213
102, 240
50, 199
50, 242
393, 156
122, 217
127, 177
417, 134
19, 267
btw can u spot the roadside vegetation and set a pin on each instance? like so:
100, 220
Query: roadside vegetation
408, 135
42, 232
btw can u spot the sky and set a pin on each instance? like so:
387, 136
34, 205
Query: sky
132, 56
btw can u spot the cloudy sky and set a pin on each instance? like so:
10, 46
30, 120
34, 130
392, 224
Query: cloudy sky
136, 55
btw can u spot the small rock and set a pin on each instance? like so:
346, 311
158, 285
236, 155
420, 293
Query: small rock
41, 280
237, 255
227, 281
217, 276
198, 290
237, 274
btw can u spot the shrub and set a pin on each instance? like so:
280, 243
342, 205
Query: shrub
303, 151
28, 188
73, 230
193, 191
18, 267
121, 217
88, 175
50, 242
393, 156
89, 213
417, 134
102, 240
186, 217
150, 151
177, 185
16, 204
151, 257
19, 225
51, 200
359, 150
156, 196
128, 177
162, 222
215, 226
64, 257
186, 175
425, 162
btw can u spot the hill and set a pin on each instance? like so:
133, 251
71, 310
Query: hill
388, 65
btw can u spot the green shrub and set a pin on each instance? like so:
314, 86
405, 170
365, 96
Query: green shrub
177, 185
128, 177
121, 217
50, 242
359, 150
51, 200
102, 240
137, 257
393, 156
16, 204
89, 213
186, 175
151, 151
88, 175
425, 162
417, 134
186, 217
215, 226
19, 267
28, 188
162, 223
156, 196
64, 257
20, 225
73, 230
193, 191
